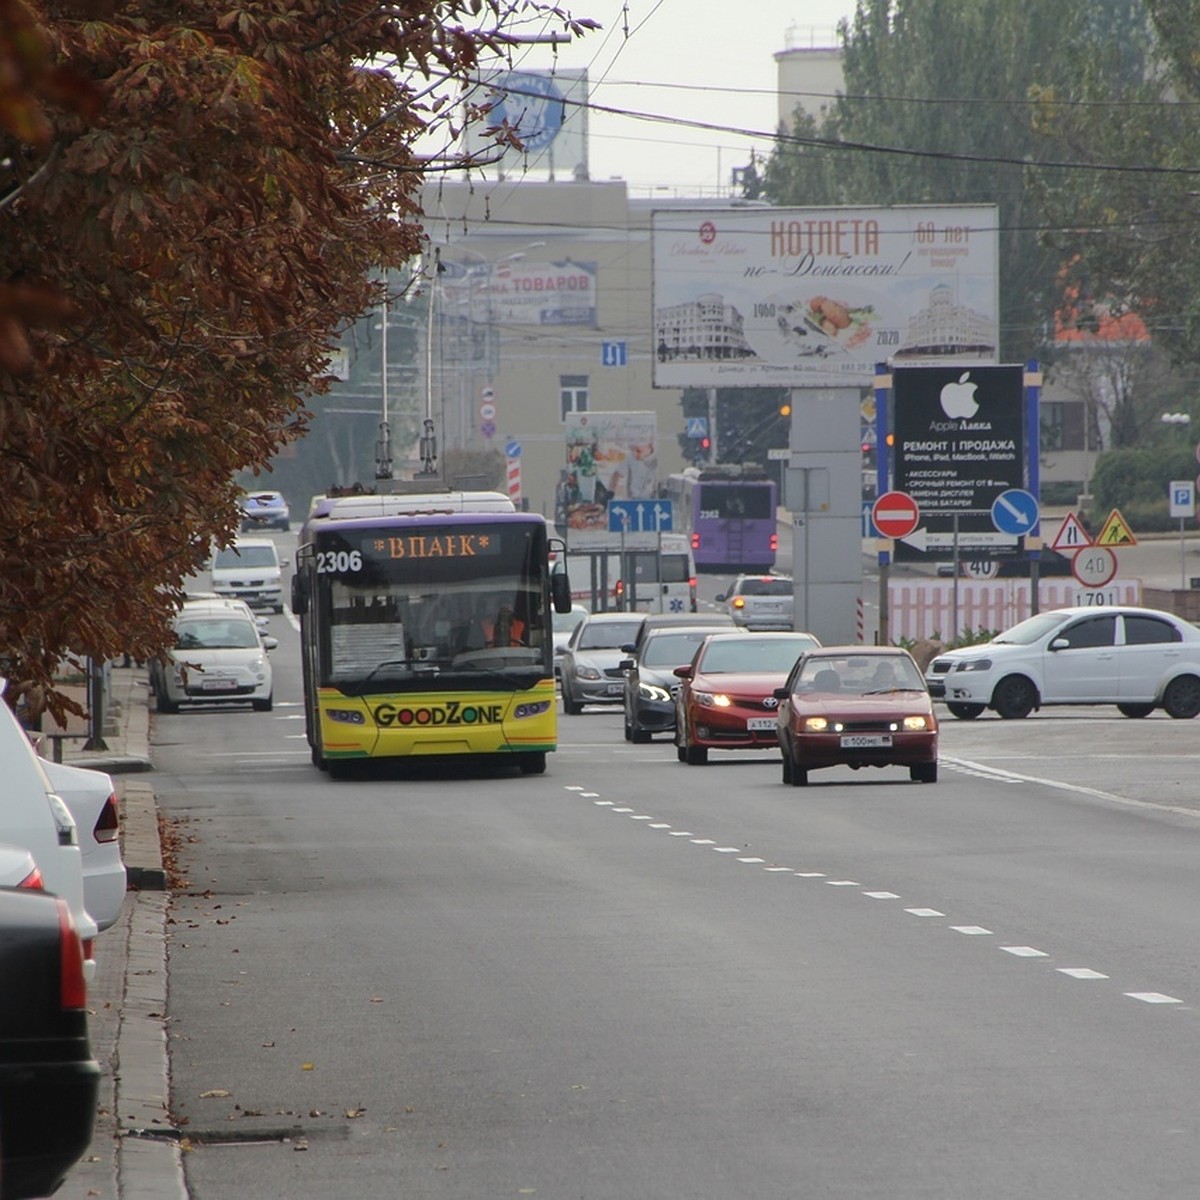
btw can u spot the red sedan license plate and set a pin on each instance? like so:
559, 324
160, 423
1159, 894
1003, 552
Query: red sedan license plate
865, 741
761, 724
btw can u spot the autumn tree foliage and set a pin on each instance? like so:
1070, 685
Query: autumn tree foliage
194, 198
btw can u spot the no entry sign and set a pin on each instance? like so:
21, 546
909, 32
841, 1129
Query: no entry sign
895, 514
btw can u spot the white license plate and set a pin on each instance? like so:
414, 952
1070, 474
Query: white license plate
865, 741
217, 685
763, 723
614, 689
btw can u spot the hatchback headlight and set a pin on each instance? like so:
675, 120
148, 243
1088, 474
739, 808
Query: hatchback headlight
815, 724
916, 724
975, 664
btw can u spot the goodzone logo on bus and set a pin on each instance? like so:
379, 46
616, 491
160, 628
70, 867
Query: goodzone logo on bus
451, 713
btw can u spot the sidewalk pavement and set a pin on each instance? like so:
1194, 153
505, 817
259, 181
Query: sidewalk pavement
135, 1152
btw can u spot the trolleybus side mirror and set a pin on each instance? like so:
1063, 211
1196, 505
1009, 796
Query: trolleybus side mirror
560, 591
299, 595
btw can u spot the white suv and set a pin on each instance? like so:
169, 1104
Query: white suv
250, 570
220, 657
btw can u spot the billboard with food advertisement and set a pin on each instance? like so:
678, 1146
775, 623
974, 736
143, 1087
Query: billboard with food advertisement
610, 456
794, 297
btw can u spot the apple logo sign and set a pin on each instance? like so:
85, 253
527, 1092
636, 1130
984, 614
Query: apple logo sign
958, 399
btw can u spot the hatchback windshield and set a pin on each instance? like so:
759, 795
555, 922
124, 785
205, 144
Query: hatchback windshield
215, 634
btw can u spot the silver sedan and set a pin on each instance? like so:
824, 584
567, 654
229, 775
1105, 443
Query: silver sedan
589, 666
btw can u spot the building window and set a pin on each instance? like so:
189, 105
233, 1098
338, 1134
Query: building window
1052, 421
573, 393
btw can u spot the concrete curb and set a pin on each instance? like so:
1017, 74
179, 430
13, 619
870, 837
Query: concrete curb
136, 1152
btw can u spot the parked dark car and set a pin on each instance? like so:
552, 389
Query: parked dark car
49, 1081
650, 680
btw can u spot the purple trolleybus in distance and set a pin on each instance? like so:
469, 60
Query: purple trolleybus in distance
729, 514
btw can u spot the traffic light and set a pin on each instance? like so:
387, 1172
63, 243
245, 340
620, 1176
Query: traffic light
703, 449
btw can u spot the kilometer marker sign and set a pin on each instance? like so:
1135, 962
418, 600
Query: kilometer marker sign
895, 515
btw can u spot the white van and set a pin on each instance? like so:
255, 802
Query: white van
249, 570
646, 581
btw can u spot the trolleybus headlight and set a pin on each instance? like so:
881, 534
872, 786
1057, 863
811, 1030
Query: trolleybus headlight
347, 716
532, 710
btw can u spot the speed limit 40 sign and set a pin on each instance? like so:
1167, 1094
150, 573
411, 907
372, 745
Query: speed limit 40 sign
1094, 566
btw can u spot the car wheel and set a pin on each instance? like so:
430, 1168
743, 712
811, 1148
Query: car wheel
923, 772
533, 762
1135, 710
799, 776
696, 756
318, 759
262, 705
965, 712
787, 769
1014, 697
1181, 700
628, 729
641, 736
164, 705
570, 707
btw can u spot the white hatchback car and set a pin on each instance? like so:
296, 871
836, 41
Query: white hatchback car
1139, 659
220, 657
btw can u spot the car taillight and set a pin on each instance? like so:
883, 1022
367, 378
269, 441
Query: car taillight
72, 985
33, 881
774, 542
108, 824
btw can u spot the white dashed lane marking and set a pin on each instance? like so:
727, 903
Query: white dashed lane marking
1017, 951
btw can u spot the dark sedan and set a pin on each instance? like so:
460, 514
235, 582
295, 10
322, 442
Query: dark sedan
650, 680
856, 706
49, 1081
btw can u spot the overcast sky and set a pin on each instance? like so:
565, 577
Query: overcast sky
700, 60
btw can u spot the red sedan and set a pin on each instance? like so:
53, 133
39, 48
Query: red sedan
856, 706
727, 699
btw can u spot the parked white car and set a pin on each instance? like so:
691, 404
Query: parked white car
33, 815
219, 657
17, 868
92, 799
1139, 659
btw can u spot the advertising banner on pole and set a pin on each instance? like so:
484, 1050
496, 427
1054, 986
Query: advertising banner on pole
779, 297
960, 448
610, 456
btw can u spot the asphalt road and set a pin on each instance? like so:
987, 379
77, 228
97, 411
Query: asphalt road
634, 978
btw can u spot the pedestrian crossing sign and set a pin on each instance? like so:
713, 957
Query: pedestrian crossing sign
1071, 535
1116, 531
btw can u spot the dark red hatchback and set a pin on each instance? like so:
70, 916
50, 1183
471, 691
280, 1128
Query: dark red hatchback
856, 706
